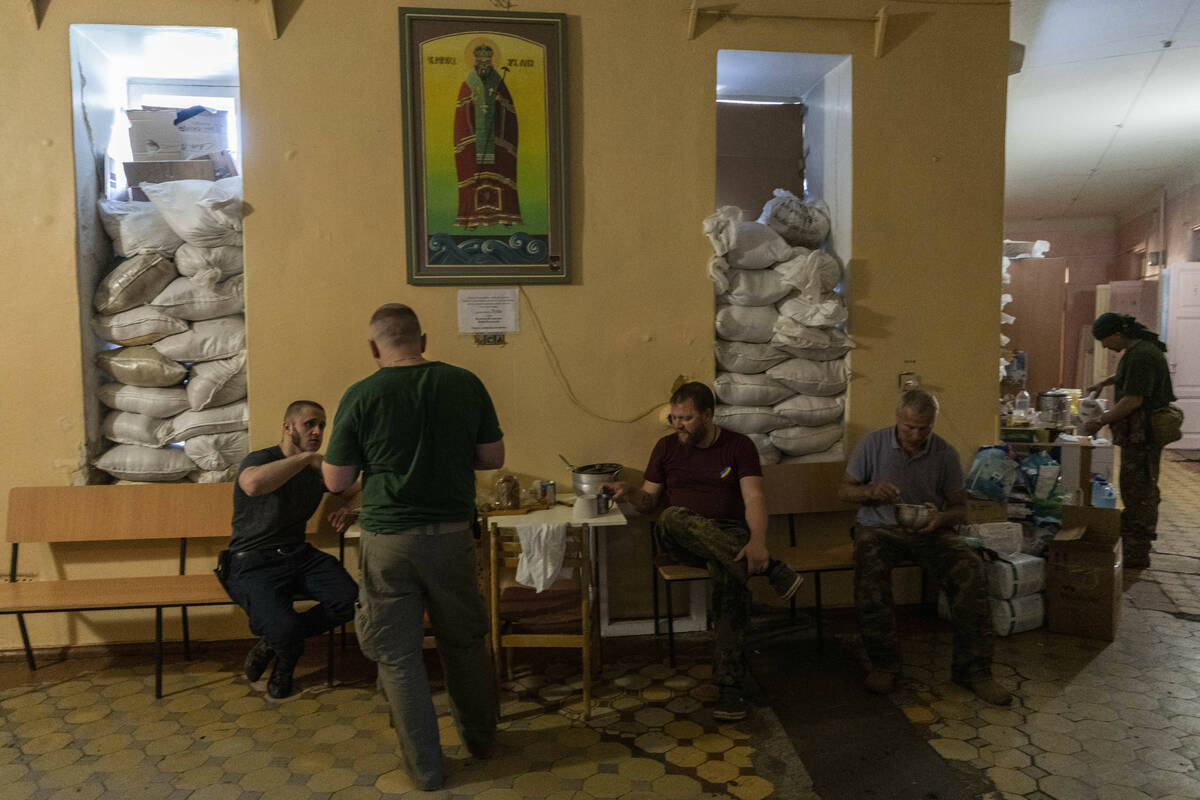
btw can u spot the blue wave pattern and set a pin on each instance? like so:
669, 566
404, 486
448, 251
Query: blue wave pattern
519, 248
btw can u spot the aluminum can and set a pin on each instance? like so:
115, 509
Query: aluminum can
549, 492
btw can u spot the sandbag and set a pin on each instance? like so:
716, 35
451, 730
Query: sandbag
217, 383
755, 246
812, 273
747, 357
133, 282
220, 419
151, 401
141, 325
203, 213
767, 452
127, 427
824, 312
133, 462
746, 323
749, 390
136, 227
835, 453
206, 340
218, 451
804, 409
820, 378
219, 476
799, 440
721, 229
141, 366
190, 299
748, 419
815, 344
190, 260
754, 287
798, 222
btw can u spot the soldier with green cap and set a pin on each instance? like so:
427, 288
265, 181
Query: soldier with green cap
1141, 386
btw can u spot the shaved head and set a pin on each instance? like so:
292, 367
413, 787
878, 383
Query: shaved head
395, 325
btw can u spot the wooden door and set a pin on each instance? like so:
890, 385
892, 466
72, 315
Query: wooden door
1183, 356
1038, 306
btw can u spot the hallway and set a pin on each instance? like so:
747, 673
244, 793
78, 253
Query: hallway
1092, 720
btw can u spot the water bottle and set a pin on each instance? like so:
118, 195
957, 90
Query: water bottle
1103, 495
1021, 410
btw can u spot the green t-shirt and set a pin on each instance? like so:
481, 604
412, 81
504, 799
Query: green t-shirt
413, 432
1143, 371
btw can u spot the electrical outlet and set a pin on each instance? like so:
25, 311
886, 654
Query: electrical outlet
908, 380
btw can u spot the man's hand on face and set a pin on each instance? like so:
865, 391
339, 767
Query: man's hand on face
756, 556
883, 492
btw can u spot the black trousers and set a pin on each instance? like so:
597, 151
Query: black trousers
265, 582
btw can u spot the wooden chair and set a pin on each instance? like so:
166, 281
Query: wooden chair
560, 616
666, 569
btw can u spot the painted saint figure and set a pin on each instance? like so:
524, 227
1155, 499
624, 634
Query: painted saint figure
485, 147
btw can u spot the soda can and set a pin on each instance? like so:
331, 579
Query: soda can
549, 492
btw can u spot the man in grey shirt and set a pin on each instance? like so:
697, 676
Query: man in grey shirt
908, 463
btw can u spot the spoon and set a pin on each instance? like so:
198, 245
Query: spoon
568, 463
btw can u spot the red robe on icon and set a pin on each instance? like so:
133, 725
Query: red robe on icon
485, 153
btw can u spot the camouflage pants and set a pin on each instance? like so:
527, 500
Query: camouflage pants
958, 568
1139, 492
702, 542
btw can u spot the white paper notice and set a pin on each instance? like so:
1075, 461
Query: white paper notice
488, 311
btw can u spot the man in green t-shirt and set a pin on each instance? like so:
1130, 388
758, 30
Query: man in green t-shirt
1142, 385
417, 430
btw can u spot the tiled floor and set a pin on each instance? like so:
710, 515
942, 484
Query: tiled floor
1106, 721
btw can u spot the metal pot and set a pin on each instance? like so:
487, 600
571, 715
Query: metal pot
590, 477
1054, 407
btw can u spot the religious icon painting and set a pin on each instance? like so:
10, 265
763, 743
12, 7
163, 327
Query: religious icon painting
484, 115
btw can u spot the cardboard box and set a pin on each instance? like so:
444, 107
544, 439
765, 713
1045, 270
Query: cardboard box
1084, 573
985, 511
1081, 458
137, 172
174, 134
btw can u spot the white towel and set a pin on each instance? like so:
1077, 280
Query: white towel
542, 551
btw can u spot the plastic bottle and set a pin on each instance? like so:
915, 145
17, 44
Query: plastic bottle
1021, 410
1103, 495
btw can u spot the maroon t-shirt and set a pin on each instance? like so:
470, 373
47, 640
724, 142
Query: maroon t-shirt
708, 480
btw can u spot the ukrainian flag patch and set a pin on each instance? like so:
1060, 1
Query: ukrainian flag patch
725, 472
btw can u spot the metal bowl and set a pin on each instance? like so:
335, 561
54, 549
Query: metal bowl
912, 516
590, 477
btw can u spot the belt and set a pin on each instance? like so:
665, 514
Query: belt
430, 528
285, 550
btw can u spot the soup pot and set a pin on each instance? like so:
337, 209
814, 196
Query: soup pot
590, 477
1054, 407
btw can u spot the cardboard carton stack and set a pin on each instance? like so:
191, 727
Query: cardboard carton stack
174, 144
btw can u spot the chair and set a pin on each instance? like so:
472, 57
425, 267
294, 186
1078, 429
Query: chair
560, 616
666, 569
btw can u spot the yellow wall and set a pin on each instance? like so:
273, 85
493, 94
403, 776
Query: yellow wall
325, 240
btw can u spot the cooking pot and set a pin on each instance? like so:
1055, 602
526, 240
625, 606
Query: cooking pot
590, 477
1054, 407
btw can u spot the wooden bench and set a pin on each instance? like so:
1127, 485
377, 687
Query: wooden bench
183, 511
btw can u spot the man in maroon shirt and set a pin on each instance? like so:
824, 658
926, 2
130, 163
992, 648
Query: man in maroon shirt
710, 481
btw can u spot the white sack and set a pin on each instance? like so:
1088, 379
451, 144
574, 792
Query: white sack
217, 383
190, 259
798, 222
754, 287
126, 427
803, 409
755, 246
748, 419
219, 476
835, 453
206, 340
136, 228
151, 401
203, 213
133, 282
133, 462
141, 325
815, 344
213, 452
829, 310
188, 298
221, 419
718, 273
141, 366
747, 357
767, 452
746, 323
813, 273
820, 378
800, 440
749, 390
721, 228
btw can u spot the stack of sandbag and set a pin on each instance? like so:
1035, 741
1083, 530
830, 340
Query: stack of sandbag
780, 349
173, 310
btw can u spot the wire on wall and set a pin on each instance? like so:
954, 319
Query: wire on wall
556, 368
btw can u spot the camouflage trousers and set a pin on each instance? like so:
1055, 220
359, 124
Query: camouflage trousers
1139, 491
958, 569
702, 542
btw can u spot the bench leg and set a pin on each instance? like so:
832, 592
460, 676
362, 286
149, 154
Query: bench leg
329, 661
187, 643
158, 652
25, 641
817, 611
670, 626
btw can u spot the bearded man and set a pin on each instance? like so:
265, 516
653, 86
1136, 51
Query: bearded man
485, 147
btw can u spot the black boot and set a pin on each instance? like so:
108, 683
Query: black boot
279, 685
257, 660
